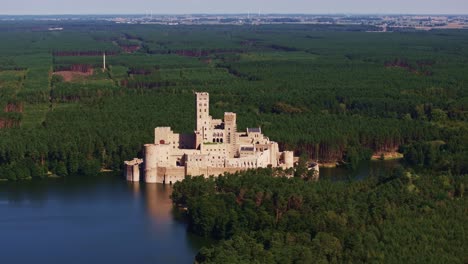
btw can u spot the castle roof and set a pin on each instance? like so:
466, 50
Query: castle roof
254, 130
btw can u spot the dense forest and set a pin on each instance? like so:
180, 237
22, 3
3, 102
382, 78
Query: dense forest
333, 93
391, 217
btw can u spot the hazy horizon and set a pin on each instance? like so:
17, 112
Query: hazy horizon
234, 13
174, 7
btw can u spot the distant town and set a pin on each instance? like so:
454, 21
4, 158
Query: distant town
379, 22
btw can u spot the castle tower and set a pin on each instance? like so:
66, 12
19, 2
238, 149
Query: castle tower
203, 110
230, 128
151, 163
203, 118
288, 159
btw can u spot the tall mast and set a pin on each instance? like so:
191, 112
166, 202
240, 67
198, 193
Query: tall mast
104, 61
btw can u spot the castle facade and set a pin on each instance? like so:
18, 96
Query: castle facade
214, 148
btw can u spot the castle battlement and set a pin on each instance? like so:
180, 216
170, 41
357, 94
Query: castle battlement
214, 148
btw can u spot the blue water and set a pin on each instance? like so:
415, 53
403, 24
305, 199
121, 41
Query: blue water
104, 219
91, 220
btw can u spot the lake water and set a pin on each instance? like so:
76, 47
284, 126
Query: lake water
373, 167
104, 219
91, 220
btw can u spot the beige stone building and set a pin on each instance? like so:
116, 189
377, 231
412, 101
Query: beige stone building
214, 148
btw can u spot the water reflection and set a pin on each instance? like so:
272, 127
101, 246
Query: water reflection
21, 194
365, 169
159, 205
135, 189
102, 212
155, 199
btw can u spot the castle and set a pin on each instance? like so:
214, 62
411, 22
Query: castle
213, 149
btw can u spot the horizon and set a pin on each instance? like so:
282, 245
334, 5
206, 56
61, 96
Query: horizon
217, 7
246, 13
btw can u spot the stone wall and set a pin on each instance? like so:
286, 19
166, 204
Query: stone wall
170, 175
211, 171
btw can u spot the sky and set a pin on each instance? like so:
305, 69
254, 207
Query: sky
48, 7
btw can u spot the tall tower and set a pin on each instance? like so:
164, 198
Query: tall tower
203, 119
203, 111
230, 127
104, 62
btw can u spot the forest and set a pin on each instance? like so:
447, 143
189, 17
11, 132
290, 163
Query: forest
336, 94
333, 94
390, 217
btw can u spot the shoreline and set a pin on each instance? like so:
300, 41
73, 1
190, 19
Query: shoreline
328, 165
387, 156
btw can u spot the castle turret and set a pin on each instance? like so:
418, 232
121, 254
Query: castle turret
274, 157
151, 163
288, 159
230, 128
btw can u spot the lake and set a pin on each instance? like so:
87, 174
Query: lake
372, 167
105, 219
91, 220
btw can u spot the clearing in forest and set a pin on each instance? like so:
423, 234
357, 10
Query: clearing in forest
69, 76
